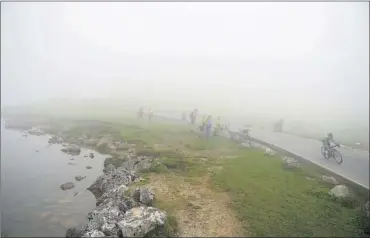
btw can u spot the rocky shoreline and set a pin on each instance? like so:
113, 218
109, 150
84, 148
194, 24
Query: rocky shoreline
118, 212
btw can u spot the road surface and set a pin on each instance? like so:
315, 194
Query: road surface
355, 164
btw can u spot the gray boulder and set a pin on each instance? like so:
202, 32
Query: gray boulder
36, 131
79, 178
329, 180
55, 140
139, 221
72, 149
290, 163
94, 233
136, 194
268, 152
339, 192
146, 196
67, 186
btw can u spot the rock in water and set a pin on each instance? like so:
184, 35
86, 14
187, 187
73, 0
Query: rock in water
79, 178
55, 140
67, 186
139, 221
91, 155
88, 167
339, 191
72, 149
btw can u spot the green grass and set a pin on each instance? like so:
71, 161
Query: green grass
273, 202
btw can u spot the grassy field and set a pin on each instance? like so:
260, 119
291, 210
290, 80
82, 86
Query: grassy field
217, 188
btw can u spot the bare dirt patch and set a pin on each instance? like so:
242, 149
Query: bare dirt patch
199, 211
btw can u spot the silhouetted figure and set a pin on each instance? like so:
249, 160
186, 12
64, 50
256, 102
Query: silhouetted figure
150, 114
140, 113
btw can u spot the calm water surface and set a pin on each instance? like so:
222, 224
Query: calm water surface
32, 203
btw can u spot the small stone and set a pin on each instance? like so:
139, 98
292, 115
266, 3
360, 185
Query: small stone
88, 167
79, 178
67, 186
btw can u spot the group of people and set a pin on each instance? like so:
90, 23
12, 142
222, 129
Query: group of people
141, 114
206, 124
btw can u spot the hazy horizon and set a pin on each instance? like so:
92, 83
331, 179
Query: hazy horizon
308, 61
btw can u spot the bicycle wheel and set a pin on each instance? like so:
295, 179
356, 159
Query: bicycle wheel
337, 156
324, 152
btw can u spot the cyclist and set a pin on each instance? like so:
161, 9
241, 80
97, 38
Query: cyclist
328, 140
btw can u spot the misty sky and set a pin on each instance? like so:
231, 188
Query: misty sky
291, 59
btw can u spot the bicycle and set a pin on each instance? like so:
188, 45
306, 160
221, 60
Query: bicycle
330, 152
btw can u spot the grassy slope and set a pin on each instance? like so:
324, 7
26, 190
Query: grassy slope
274, 202
268, 200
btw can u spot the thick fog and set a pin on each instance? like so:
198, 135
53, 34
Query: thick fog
298, 60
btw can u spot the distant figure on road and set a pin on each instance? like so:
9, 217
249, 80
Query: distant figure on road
203, 123
140, 113
150, 114
208, 127
218, 126
193, 116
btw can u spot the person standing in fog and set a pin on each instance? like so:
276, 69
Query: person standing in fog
208, 127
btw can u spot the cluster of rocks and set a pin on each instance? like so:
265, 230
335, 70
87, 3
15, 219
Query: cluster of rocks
290, 163
119, 214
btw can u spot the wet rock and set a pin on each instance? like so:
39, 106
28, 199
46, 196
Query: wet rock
88, 167
37, 151
329, 180
36, 131
79, 178
55, 140
117, 214
290, 163
72, 159
109, 168
85, 156
67, 186
339, 192
71, 163
72, 149
116, 161
75, 194
91, 155
139, 221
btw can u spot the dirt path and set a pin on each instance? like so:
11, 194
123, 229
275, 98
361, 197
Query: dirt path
199, 211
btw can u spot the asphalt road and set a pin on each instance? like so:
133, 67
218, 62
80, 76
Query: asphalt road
355, 164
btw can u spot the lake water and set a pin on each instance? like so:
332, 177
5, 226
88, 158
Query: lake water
31, 201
